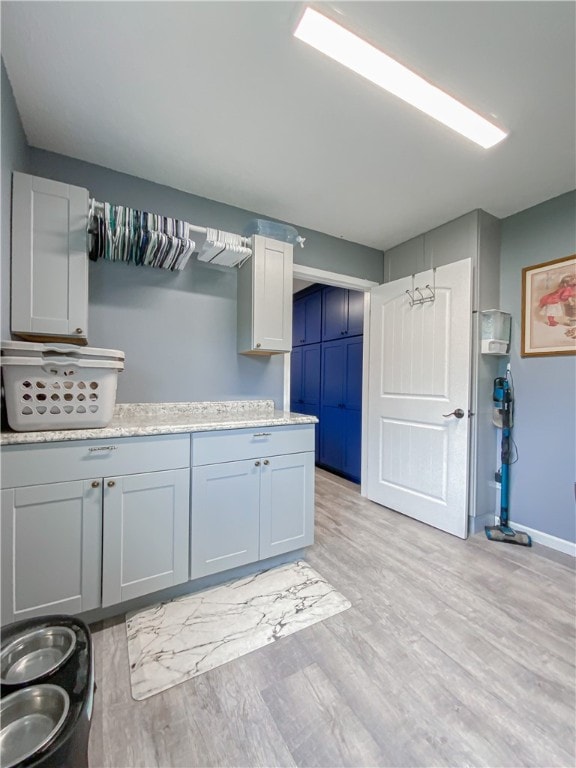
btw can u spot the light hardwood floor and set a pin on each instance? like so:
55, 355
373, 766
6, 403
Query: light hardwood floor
454, 653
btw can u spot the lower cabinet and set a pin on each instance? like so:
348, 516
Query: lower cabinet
109, 534
145, 537
286, 503
82, 528
225, 516
51, 553
255, 508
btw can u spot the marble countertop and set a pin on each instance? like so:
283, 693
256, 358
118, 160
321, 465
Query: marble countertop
139, 419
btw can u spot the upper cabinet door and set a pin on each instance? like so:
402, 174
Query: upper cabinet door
265, 298
49, 258
307, 319
342, 313
355, 313
334, 313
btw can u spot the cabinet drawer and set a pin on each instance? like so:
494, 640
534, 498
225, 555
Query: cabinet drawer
37, 463
238, 444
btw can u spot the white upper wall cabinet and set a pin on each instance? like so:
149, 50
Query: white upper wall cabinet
49, 259
265, 299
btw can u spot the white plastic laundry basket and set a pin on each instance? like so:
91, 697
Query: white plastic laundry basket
64, 387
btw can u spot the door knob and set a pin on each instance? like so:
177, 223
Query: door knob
459, 413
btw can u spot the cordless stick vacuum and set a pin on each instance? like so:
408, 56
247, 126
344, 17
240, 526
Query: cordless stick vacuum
504, 400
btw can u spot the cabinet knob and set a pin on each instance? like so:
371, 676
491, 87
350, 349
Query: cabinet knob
111, 483
256, 463
78, 330
258, 345
95, 484
266, 462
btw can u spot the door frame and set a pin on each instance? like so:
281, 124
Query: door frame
338, 280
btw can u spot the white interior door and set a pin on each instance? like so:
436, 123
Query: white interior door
419, 371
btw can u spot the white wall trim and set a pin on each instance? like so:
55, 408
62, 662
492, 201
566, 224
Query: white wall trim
561, 545
314, 275
365, 393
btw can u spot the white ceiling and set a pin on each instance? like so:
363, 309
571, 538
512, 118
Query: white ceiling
219, 99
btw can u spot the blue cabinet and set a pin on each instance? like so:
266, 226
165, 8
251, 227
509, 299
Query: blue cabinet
306, 318
305, 369
342, 313
341, 406
326, 372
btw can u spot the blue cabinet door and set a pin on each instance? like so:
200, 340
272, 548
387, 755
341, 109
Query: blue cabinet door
333, 373
334, 313
352, 449
342, 313
332, 421
298, 322
307, 319
355, 325
310, 387
313, 410
341, 406
352, 385
305, 377
296, 398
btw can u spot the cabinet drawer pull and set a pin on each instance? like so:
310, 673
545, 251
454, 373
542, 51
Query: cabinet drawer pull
266, 462
262, 434
103, 448
111, 483
256, 463
95, 484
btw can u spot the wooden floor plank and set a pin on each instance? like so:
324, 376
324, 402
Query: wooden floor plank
454, 653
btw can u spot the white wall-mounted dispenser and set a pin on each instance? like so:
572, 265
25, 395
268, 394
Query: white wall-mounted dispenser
495, 332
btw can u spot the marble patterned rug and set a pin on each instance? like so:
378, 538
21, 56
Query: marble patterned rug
171, 642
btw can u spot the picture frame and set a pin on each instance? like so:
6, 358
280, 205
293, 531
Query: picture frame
549, 308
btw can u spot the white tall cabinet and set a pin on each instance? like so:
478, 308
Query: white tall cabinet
49, 259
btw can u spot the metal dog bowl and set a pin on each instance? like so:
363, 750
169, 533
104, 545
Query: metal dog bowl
31, 717
35, 654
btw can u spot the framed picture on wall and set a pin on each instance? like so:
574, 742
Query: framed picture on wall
549, 308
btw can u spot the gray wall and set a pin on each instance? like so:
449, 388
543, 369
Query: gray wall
178, 330
542, 481
15, 157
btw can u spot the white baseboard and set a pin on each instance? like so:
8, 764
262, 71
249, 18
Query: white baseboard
561, 545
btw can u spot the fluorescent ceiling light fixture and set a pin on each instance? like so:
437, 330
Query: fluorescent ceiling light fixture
345, 47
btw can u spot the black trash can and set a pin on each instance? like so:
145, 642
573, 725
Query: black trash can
46, 693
